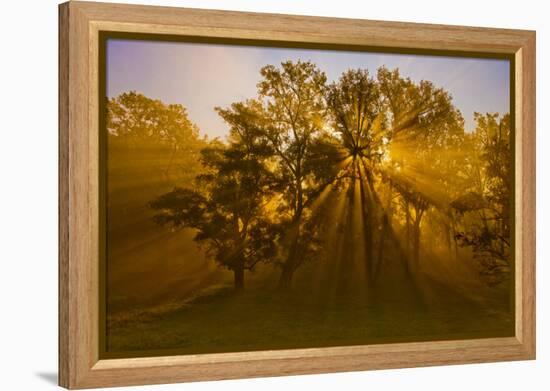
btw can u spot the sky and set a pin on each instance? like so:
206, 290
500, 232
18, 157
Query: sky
202, 76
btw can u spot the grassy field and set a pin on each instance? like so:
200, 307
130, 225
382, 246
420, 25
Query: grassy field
219, 320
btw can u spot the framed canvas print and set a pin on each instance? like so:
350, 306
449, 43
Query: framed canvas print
251, 195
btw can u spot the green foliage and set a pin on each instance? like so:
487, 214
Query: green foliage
133, 117
228, 208
486, 210
422, 110
160, 135
294, 109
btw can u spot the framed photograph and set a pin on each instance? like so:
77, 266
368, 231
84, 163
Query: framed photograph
247, 195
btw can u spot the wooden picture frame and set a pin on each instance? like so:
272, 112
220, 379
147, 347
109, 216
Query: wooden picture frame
80, 24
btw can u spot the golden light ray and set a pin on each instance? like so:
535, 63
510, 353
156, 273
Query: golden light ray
326, 274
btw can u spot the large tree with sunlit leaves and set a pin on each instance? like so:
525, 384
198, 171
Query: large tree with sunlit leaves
294, 109
358, 117
227, 207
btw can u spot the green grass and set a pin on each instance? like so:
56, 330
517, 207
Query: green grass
221, 321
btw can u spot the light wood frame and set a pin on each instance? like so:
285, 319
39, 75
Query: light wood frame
79, 27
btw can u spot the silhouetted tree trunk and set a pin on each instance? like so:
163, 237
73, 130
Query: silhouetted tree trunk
238, 274
450, 238
346, 261
455, 241
287, 272
381, 244
407, 229
289, 266
415, 246
389, 206
366, 210
419, 212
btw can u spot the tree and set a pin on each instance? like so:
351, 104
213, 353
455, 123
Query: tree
424, 127
228, 209
150, 129
358, 117
486, 206
417, 110
151, 147
357, 114
294, 109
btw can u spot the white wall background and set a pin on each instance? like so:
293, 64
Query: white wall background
28, 194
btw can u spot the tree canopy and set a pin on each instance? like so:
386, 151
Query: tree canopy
396, 147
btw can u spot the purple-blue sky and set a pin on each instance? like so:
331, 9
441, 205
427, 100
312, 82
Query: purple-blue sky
202, 76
